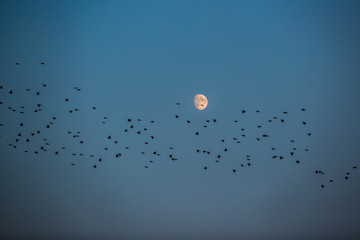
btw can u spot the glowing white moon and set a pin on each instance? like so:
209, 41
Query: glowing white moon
200, 102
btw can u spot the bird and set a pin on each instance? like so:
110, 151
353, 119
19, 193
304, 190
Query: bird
234, 170
205, 168
197, 133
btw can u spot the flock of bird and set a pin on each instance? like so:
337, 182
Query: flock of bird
21, 139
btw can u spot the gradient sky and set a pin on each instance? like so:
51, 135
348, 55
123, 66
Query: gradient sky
137, 59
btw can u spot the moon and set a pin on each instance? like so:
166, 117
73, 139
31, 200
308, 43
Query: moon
200, 101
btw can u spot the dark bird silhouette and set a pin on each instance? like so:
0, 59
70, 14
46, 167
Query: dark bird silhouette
234, 170
322, 185
11, 92
304, 123
197, 133
187, 121
243, 111
205, 168
176, 116
177, 103
309, 134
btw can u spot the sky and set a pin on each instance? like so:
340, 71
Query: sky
137, 59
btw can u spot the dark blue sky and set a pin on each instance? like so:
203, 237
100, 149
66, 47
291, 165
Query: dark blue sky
136, 59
